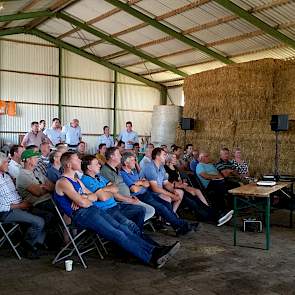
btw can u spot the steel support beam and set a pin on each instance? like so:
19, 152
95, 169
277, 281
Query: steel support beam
94, 58
115, 102
256, 22
163, 98
169, 31
60, 83
12, 31
25, 15
130, 49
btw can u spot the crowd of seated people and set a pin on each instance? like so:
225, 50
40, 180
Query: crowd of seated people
115, 191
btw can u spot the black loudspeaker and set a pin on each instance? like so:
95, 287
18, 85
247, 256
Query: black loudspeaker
279, 122
187, 123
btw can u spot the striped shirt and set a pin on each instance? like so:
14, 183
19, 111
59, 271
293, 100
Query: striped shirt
8, 193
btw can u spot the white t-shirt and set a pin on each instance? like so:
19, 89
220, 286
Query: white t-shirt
71, 135
128, 136
14, 168
55, 135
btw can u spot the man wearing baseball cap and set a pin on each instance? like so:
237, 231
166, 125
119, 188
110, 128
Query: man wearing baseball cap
32, 185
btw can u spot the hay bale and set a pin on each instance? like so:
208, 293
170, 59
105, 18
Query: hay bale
233, 107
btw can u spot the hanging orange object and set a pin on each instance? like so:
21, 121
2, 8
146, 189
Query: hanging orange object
2, 107
11, 108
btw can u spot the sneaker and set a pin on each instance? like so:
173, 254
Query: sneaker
225, 218
225, 215
161, 255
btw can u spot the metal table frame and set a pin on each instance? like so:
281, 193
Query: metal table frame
261, 201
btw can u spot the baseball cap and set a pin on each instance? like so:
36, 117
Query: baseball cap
29, 154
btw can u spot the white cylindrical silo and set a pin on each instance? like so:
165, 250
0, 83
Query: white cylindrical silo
164, 122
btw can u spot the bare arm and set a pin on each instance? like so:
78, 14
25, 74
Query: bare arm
156, 189
210, 176
121, 198
24, 141
64, 187
22, 205
37, 189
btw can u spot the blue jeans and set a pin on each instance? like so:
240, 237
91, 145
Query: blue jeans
164, 209
105, 225
133, 212
116, 213
35, 233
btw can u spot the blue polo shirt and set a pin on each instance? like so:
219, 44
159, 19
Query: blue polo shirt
152, 173
94, 184
130, 179
208, 169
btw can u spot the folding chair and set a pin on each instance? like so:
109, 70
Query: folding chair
81, 241
8, 229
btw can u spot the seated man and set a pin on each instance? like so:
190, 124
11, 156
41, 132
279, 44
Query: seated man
43, 161
119, 211
71, 193
54, 170
139, 188
34, 187
14, 209
194, 162
227, 169
121, 146
155, 173
110, 172
188, 155
148, 156
213, 182
81, 149
100, 155
14, 165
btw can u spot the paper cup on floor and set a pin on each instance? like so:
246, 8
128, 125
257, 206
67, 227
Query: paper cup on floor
69, 265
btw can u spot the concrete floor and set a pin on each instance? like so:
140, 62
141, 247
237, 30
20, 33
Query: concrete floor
207, 263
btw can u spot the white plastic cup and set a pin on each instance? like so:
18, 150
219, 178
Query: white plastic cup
69, 265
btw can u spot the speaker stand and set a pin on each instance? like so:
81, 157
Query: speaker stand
184, 139
277, 157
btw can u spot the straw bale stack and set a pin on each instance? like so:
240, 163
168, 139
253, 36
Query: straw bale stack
232, 107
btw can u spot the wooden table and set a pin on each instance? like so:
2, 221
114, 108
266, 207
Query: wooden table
262, 193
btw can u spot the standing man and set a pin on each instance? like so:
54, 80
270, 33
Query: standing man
54, 133
72, 134
42, 125
35, 137
106, 138
129, 136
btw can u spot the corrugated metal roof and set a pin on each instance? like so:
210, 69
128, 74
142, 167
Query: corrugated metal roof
103, 49
88, 9
205, 22
56, 26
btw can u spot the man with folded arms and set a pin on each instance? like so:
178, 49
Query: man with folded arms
97, 183
111, 172
77, 202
